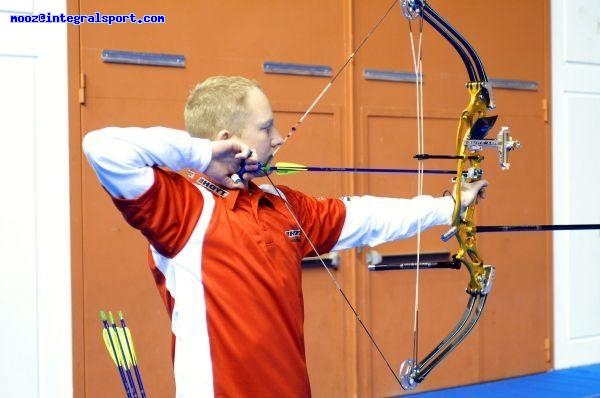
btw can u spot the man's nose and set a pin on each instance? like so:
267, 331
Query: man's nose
277, 140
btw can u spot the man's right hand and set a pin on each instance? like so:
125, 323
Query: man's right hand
227, 157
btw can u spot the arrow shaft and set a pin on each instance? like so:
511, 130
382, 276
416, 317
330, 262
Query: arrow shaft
138, 374
359, 170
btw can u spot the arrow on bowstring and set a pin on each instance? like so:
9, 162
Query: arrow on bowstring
111, 339
283, 168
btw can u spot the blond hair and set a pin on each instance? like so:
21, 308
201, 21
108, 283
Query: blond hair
218, 103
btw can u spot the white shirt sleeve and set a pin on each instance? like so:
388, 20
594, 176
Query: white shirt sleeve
371, 220
123, 158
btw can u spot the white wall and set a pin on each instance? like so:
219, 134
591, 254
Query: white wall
35, 285
576, 163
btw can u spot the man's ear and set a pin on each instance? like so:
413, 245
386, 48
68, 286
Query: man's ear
223, 135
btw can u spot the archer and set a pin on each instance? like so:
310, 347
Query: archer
225, 267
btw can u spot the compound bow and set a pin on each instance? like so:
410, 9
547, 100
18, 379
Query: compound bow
472, 129
470, 140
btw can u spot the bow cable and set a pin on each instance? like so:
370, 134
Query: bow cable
334, 280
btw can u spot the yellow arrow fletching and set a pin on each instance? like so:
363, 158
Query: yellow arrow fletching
119, 338
117, 360
129, 339
289, 168
132, 358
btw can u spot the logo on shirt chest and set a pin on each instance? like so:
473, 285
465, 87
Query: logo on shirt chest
294, 235
217, 190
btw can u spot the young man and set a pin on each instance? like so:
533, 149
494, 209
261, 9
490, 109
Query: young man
225, 253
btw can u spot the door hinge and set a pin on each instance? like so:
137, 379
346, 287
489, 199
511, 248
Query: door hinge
547, 349
82, 88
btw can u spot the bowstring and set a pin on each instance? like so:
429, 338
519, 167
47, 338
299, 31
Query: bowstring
290, 209
418, 69
308, 111
333, 279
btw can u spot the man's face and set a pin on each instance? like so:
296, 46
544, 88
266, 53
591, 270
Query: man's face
260, 133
